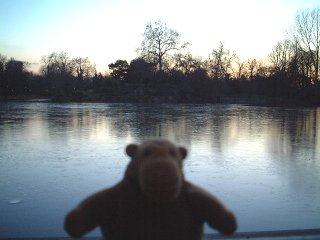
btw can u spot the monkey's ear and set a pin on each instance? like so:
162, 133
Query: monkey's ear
131, 149
183, 152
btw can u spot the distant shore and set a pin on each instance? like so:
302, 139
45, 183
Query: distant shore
246, 100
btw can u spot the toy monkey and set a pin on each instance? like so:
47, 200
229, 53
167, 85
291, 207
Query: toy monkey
152, 202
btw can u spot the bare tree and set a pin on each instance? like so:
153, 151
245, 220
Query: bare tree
3, 60
220, 62
262, 69
186, 63
82, 67
56, 64
280, 56
64, 63
300, 66
3, 79
158, 41
58, 68
47, 62
252, 66
306, 32
240, 69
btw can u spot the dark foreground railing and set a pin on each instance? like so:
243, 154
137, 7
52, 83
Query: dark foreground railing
309, 234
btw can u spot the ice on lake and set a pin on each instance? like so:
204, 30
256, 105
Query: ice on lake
263, 163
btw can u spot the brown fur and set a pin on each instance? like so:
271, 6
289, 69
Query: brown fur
153, 201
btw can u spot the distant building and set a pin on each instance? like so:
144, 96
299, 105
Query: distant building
15, 66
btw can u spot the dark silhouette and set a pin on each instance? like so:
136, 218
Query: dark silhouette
119, 69
153, 201
14, 79
141, 71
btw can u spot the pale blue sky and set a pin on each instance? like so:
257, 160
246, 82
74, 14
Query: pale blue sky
109, 30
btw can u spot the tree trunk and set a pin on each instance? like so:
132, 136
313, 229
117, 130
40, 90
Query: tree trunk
317, 67
160, 63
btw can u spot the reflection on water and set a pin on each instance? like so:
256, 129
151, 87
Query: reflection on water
262, 162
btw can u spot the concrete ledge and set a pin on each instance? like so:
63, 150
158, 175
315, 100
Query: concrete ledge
310, 234
279, 235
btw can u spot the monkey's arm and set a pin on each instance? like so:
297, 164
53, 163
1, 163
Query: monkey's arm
88, 214
211, 210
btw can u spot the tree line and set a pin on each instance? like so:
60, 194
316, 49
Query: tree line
166, 71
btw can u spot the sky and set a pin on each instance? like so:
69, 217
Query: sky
108, 30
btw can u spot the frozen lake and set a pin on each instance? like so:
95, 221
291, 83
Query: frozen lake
263, 163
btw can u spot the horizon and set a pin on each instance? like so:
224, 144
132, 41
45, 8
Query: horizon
105, 31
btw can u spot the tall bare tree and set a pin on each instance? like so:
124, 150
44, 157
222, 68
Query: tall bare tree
158, 41
252, 67
300, 65
280, 56
306, 31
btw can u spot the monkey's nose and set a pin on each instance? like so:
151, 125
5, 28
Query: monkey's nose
160, 180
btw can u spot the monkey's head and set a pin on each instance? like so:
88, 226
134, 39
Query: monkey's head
157, 165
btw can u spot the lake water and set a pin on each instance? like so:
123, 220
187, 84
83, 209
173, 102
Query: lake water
263, 163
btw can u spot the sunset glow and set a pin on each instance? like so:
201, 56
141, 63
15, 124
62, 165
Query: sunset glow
106, 31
